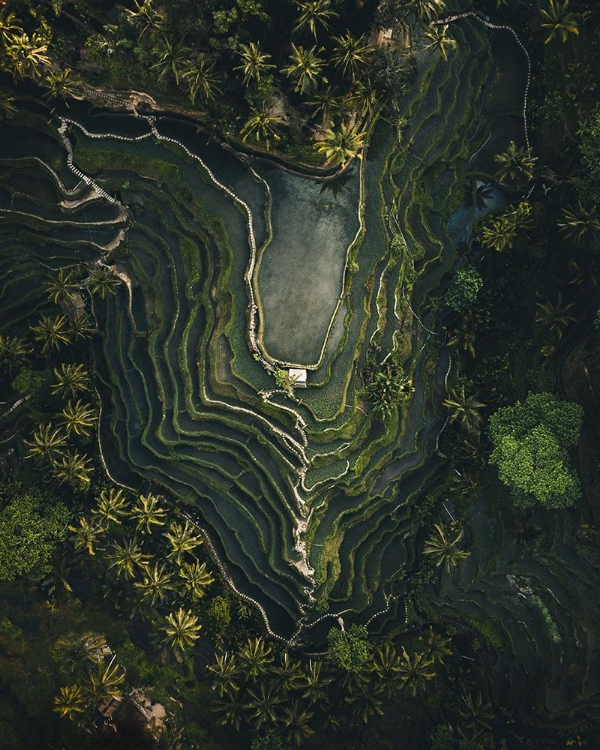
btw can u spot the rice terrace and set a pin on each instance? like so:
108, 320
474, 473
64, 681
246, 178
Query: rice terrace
299, 327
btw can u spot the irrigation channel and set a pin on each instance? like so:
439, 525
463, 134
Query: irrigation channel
311, 505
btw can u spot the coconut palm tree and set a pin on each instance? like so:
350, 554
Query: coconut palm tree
62, 287
365, 98
52, 332
26, 55
555, 317
426, 10
464, 483
515, 164
365, 700
439, 40
13, 352
499, 233
443, 545
202, 80
313, 14
386, 667
350, 54
181, 631
464, 408
172, 58
79, 417
464, 336
415, 671
69, 702
82, 326
261, 123
340, 144
313, 682
155, 584
87, 535
580, 223
295, 719
435, 646
226, 673
305, 68
77, 653
70, 380
262, 705
111, 506
60, 83
47, 443
105, 681
74, 469
10, 26
127, 558
182, 539
102, 281
230, 709
148, 513
327, 103
288, 674
255, 657
196, 578
145, 18
559, 20
254, 62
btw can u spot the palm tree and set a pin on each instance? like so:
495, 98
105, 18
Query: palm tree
580, 223
305, 67
288, 674
263, 705
155, 584
78, 653
62, 288
182, 539
313, 683
7, 105
127, 558
435, 646
144, 17
26, 55
105, 681
70, 380
181, 631
261, 122
79, 417
476, 714
74, 469
13, 351
226, 673
386, 666
365, 701
464, 483
82, 326
350, 54
231, 709
499, 233
255, 657
439, 39
60, 83
69, 701
87, 534
47, 442
426, 10
254, 62
10, 26
558, 19
148, 513
172, 58
415, 671
462, 407
464, 336
313, 13
555, 318
202, 80
340, 144
102, 281
365, 97
515, 163
196, 578
327, 103
296, 720
111, 506
443, 546
53, 332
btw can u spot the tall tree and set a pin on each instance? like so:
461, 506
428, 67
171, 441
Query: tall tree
155, 584
261, 124
47, 443
147, 513
78, 417
515, 163
558, 20
13, 352
52, 333
181, 631
26, 55
128, 558
254, 657
314, 14
102, 281
111, 506
196, 578
172, 58
350, 54
340, 144
254, 62
305, 68
415, 671
463, 408
74, 469
442, 543
70, 701
70, 380
439, 40
202, 79
181, 538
